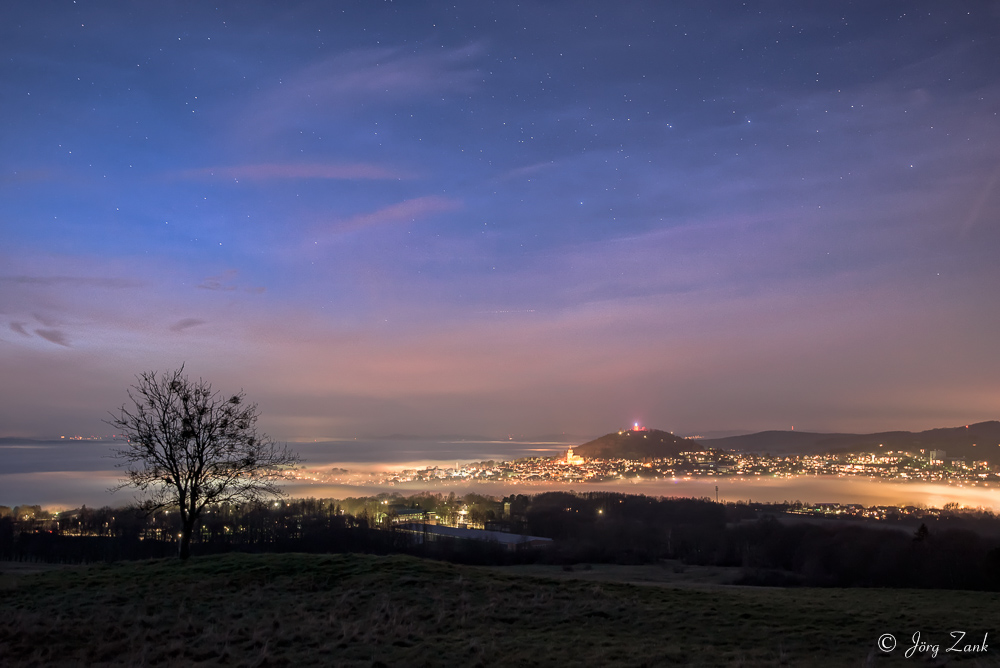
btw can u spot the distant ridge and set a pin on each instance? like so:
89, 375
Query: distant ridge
980, 441
975, 441
637, 444
13, 440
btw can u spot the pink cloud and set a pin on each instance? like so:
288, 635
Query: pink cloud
271, 171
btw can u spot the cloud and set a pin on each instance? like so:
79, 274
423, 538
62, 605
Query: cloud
350, 81
384, 73
403, 212
54, 335
980, 202
75, 281
224, 283
220, 282
274, 171
19, 328
45, 320
528, 170
186, 323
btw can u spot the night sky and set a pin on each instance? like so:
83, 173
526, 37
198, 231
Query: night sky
491, 218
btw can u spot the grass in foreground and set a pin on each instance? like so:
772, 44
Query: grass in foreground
360, 610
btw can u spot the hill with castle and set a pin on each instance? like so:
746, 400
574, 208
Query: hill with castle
637, 442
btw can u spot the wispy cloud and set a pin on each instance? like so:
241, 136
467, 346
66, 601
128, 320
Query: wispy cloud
221, 282
186, 323
46, 320
980, 201
50, 330
403, 212
55, 336
74, 281
276, 171
527, 170
364, 76
384, 73
224, 282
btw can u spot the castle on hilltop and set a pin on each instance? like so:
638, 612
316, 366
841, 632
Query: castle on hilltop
635, 427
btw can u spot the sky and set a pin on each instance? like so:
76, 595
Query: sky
503, 219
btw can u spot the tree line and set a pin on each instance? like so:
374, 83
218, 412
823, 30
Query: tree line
960, 550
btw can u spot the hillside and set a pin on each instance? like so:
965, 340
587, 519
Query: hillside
363, 610
631, 444
976, 441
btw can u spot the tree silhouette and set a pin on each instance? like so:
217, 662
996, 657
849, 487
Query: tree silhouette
188, 447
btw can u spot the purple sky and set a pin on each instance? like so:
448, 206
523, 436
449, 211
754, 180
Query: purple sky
496, 219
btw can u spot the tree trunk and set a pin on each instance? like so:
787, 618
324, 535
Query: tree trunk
184, 542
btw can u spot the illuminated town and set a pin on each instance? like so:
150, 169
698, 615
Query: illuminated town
923, 466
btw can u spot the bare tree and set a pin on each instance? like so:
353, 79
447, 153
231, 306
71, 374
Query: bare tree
188, 447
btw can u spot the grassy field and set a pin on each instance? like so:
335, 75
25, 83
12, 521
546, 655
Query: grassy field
360, 610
